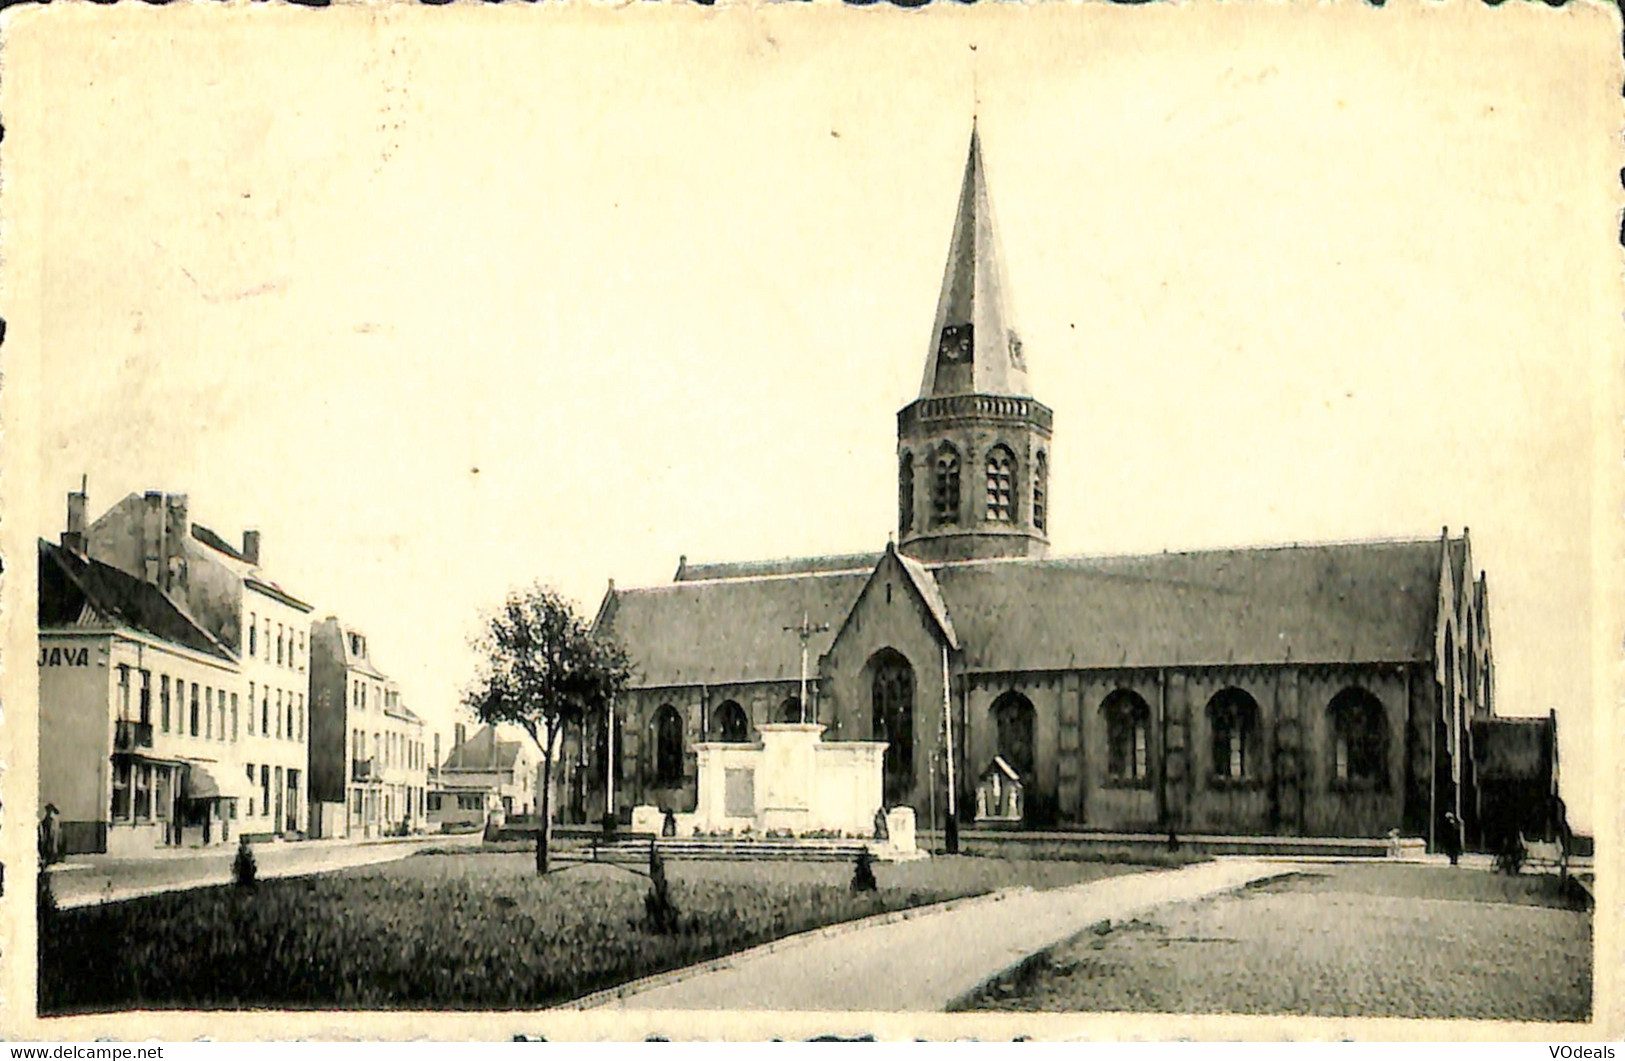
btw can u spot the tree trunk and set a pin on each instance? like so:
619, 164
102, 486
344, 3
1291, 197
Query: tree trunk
544, 834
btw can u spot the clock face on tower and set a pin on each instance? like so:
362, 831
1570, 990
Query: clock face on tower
1016, 358
955, 344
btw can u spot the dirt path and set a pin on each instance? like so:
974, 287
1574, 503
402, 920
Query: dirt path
926, 962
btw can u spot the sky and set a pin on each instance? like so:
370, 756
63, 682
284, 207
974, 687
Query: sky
446, 301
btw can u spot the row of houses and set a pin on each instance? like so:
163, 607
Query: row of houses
187, 699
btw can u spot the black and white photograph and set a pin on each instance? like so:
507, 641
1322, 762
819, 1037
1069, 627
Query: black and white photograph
778, 520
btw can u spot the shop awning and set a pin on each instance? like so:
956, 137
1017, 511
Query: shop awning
200, 784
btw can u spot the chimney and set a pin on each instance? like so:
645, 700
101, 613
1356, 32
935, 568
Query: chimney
152, 537
73, 538
176, 529
251, 546
460, 735
437, 750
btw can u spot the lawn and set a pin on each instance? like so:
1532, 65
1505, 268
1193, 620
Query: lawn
1370, 941
469, 930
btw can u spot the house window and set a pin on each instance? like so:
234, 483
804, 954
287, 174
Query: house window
279, 644
790, 709
208, 714
124, 692
163, 701
253, 633
1128, 724
1359, 745
1232, 718
220, 706
249, 721
1040, 489
194, 709
905, 492
279, 730
300, 735
668, 746
301, 650
146, 698
265, 712
945, 490
1001, 485
234, 718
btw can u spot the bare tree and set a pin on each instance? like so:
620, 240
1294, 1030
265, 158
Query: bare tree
542, 668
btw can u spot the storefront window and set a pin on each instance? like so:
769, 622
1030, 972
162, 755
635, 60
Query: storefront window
160, 793
121, 790
143, 792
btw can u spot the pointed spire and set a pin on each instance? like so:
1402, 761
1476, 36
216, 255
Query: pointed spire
974, 347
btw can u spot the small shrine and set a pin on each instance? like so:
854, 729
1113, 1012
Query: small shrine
1000, 795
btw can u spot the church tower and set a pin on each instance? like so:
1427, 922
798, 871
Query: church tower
973, 449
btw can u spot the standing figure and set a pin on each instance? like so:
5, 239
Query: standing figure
50, 837
1452, 837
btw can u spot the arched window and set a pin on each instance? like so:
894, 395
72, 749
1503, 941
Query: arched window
1128, 730
945, 490
892, 695
1359, 736
905, 492
1013, 719
668, 746
1448, 704
1001, 485
1040, 489
790, 710
731, 725
1474, 694
1232, 719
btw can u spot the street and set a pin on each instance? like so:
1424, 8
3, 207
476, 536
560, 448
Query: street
83, 880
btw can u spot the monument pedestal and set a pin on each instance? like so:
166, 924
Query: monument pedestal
791, 782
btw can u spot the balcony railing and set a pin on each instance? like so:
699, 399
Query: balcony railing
976, 406
363, 770
128, 735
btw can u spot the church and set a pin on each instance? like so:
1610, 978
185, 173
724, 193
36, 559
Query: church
1312, 690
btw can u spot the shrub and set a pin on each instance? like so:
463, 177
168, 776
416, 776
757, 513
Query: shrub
243, 868
658, 907
863, 873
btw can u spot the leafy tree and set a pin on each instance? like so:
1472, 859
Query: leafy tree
543, 668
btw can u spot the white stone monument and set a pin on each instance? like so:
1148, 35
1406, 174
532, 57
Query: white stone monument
793, 782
